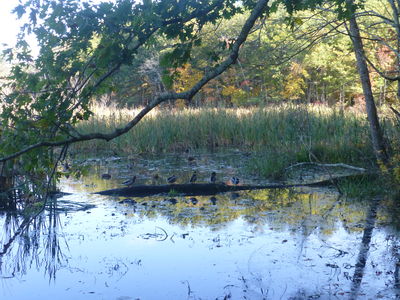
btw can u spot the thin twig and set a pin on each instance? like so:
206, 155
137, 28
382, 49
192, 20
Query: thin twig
326, 165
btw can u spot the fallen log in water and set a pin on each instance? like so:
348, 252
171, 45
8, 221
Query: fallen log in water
200, 189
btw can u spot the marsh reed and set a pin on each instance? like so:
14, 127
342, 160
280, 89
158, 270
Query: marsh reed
280, 134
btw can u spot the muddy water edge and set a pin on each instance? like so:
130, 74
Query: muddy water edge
303, 243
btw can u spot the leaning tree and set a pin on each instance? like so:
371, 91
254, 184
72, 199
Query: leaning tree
83, 46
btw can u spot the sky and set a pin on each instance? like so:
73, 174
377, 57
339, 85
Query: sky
9, 26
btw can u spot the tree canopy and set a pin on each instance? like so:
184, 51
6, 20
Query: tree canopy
82, 46
85, 48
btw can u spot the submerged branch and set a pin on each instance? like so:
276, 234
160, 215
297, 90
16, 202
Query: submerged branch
202, 189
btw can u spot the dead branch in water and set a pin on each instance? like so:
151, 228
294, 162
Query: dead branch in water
206, 189
342, 165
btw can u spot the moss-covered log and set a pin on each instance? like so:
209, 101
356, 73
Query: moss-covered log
200, 189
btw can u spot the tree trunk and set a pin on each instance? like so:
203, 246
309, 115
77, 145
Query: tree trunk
396, 24
378, 143
398, 89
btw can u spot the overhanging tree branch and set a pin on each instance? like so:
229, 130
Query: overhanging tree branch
257, 12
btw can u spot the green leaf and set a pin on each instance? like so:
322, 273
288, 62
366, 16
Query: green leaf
19, 10
168, 80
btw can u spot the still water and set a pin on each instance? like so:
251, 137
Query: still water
267, 244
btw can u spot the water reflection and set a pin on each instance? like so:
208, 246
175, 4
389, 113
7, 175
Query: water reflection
266, 244
32, 242
364, 249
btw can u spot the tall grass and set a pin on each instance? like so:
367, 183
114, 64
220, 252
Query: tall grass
279, 134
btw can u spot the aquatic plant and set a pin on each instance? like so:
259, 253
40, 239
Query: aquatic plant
279, 135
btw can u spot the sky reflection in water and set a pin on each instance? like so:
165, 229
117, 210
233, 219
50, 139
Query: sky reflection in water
258, 245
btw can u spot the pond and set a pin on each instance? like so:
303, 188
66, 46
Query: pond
303, 243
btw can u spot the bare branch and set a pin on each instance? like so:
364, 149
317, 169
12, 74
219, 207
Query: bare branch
396, 78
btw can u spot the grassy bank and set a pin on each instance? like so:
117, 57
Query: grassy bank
280, 135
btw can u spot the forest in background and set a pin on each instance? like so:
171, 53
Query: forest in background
202, 54
308, 58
